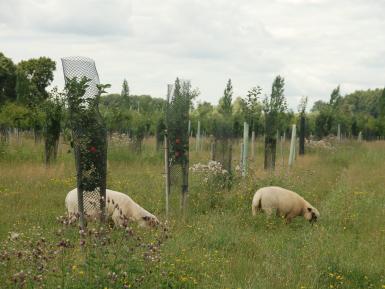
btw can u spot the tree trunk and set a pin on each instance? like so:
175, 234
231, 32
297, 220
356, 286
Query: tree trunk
3, 134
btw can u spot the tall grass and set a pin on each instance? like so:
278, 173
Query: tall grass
217, 244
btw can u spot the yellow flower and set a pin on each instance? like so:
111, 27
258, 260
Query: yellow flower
183, 278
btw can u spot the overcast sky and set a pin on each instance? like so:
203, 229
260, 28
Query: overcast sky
314, 44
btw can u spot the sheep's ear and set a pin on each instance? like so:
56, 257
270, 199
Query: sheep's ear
309, 209
146, 218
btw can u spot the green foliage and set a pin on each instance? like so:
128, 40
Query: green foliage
318, 106
177, 121
355, 112
125, 94
89, 134
252, 107
225, 102
274, 108
381, 104
33, 77
276, 103
335, 97
15, 115
7, 79
324, 122
138, 129
53, 108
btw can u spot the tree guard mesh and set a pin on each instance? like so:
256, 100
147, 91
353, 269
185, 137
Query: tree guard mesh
177, 117
223, 141
79, 67
89, 134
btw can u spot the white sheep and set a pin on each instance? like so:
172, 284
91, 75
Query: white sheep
286, 203
119, 207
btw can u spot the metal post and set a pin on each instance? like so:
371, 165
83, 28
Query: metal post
198, 136
292, 145
339, 133
360, 136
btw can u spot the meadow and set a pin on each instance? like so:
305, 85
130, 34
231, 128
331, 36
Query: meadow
216, 244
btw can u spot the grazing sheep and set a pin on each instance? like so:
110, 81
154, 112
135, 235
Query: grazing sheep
119, 207
286, 203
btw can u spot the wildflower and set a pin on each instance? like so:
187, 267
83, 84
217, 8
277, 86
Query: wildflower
183, 278
14, 236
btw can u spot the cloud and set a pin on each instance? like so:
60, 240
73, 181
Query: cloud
86, 17
314, 44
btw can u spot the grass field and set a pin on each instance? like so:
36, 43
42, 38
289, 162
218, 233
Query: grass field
217, 244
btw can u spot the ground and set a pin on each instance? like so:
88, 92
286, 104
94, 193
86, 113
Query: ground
216, 244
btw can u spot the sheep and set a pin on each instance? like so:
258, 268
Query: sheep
286, 203
119, 207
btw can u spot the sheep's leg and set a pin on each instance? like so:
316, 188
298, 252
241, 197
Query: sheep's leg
117, 218
289, 217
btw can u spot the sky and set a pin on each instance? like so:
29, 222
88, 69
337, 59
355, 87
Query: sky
314, 44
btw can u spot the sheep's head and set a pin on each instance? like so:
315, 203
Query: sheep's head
149, 221
311, 214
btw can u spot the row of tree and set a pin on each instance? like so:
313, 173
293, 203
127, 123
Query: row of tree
25, 104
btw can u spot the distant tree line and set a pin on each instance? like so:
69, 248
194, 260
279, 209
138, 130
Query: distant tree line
25, 104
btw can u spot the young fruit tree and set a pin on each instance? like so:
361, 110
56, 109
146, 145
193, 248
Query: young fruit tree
274, 108
89, 133
177, 120
302, 126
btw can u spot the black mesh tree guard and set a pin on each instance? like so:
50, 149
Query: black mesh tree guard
177, 118
223, 139
89, 134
